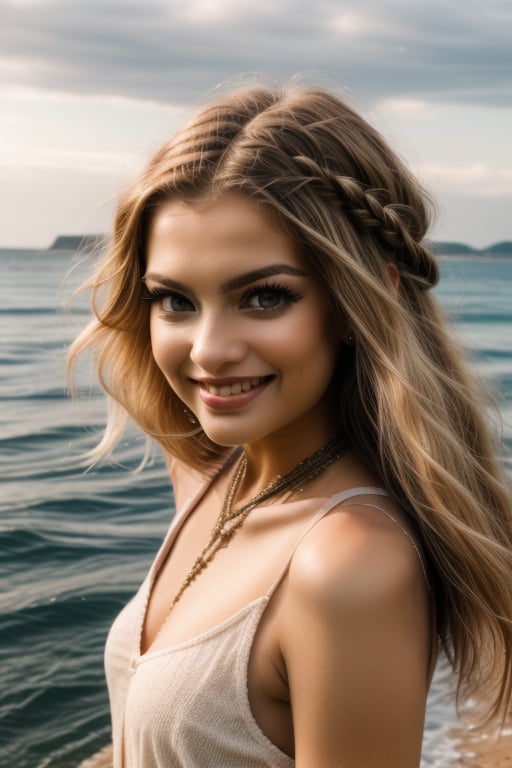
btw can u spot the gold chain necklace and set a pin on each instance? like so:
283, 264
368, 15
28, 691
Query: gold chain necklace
230, 520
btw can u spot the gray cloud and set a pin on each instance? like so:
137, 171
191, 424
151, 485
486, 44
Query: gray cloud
175, 50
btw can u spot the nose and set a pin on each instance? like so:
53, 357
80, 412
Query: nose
217, 342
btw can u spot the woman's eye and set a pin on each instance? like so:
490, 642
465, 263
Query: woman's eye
269, 298
174, 302
168, 302
265, 299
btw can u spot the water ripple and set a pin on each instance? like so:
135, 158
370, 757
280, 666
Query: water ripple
75, 544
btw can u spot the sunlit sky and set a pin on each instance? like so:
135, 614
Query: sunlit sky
90, 88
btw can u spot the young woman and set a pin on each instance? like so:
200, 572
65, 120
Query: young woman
264, 313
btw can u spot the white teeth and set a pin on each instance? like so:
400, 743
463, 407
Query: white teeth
233, 389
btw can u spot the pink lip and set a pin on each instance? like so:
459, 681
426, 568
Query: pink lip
230, 402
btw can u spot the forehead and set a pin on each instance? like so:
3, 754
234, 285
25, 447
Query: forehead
232, 228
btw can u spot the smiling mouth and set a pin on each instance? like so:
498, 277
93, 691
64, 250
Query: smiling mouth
236, 388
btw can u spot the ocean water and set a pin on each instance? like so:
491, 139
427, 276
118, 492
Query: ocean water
75, 545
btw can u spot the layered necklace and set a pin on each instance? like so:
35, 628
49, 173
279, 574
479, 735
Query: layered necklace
231, 519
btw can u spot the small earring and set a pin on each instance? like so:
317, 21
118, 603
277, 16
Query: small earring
190, 416
349, 340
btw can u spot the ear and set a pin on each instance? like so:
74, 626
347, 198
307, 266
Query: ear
394, 275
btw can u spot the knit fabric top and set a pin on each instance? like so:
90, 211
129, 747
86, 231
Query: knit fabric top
187, 706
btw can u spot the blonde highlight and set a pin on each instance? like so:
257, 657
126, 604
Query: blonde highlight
403, 394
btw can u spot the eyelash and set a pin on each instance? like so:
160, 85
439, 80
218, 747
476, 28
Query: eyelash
286, 295
155, 294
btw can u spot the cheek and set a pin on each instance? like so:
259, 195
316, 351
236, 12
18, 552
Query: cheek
157, 341
166, 350
309, 347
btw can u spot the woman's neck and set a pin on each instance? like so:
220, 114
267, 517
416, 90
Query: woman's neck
277, 455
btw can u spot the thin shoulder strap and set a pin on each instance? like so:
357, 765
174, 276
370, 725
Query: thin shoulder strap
330, 503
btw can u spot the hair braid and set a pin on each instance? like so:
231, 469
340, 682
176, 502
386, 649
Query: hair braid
395, 224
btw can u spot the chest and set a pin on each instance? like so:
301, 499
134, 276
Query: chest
248, 572
250, 566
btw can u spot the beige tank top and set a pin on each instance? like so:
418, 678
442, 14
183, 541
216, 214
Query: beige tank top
187, 706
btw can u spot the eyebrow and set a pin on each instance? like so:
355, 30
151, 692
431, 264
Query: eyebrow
234, 283
260, 274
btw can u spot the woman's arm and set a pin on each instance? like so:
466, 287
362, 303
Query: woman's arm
356, 644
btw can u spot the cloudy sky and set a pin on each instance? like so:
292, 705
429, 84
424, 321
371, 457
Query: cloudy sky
89, 88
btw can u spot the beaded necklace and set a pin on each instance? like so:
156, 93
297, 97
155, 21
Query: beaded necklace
230, 519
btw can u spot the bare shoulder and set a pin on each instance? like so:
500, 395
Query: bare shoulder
358, 668
358, 555
355, 638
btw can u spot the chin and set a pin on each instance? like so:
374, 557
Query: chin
230, 437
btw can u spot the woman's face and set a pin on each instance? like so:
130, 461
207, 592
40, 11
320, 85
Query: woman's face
239, 326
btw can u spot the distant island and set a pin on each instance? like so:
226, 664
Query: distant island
441, 248
75, 242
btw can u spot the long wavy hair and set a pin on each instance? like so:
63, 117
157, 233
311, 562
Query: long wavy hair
403, 394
